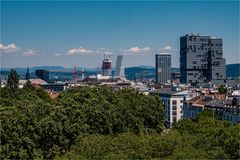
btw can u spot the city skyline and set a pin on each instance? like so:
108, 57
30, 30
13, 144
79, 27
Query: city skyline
68, 33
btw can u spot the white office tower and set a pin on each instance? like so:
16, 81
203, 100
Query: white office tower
107, 66
119, 69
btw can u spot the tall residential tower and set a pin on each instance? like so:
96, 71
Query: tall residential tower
201, 59
163, 67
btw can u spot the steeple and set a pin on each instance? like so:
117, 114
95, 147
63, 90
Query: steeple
27, 74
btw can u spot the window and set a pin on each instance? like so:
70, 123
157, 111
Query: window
174, 107
174, 113
174, 102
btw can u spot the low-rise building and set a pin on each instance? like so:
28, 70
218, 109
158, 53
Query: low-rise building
193, 107
222, 107
173, 104
231, 110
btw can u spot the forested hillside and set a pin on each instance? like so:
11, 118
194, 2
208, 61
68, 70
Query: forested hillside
98, 123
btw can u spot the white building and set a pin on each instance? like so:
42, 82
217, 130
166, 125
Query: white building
119, 69
173, 104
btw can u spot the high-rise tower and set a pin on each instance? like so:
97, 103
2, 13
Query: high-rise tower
201, 59
107, 66
163, 67
119, 70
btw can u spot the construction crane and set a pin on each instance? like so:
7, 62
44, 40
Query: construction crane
74, 72
75, 76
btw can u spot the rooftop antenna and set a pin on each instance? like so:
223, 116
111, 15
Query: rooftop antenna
75, 76
82, 73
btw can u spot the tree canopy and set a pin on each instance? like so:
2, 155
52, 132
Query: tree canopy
99, 123
222, 89
33, 125
13, 79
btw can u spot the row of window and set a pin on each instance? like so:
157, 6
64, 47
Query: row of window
193, 74
216, 63
209, 44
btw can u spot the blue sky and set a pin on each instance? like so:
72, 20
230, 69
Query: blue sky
66, 33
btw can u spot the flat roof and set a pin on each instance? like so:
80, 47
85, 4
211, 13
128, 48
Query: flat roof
163, 53
163, 91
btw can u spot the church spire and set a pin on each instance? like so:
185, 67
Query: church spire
27, 74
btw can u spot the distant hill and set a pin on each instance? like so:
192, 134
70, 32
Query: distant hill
134, 72
143, 71
233, 70
130, 72
22, 70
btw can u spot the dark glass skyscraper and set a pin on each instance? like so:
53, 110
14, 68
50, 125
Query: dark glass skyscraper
42, 74
201, 59
163, 67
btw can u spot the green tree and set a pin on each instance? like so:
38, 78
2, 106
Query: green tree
99, 123
13, 79
28, 84
222, 89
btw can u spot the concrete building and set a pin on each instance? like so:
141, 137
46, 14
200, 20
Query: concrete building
42, 74
106, 66
173, 104
201, 59
223, 107
231, 110
119, 69
163, 67
193, 107
57, 87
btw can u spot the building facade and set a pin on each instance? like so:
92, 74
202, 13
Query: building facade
119, 70
173, 104
163, 67
107, 66
42, 74
201, 59
223, 109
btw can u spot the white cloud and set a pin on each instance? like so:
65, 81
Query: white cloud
78, 51
137, 50
8, 48
29, 53
167, 49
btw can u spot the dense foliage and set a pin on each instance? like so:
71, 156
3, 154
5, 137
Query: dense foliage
13, 79
35, 126
222, 89
203, 138
98, 123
